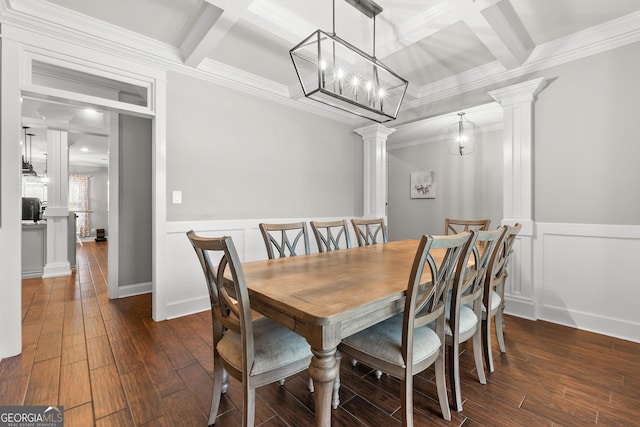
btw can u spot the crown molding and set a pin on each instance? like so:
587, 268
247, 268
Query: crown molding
53, 22
227, 76
35, 18
437, 138
487, 117
610, 35
601, 38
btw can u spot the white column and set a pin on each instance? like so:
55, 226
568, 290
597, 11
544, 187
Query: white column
57, 211
517, 102
375, 169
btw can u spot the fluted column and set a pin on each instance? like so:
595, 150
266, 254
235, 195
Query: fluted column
375, 169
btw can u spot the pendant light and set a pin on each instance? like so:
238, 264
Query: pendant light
27, 166
462, 136
336, 73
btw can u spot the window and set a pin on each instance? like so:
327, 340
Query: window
34, 188
79, 202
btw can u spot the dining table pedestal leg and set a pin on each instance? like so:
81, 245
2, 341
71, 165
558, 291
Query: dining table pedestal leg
323, 370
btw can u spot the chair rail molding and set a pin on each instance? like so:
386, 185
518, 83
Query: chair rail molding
375, 169
517, 103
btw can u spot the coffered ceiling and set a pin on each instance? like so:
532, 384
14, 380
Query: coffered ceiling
432, 43
443, 47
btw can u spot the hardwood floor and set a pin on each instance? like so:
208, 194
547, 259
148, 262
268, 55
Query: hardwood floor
109, 364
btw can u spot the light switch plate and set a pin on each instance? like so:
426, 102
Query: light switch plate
177, 197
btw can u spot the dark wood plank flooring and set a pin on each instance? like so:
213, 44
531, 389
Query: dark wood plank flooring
109, 364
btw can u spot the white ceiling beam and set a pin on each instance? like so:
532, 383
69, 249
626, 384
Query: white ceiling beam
500, 29
214, 21
415, 29
278, 20
494, 21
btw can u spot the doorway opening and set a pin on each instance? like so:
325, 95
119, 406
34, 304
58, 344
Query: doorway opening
109, 176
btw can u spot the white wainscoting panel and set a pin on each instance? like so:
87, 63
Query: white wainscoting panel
520, 291
187, 291
586, 276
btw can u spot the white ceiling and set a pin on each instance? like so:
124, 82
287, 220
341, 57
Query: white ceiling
87, 141
422, 40
432, 43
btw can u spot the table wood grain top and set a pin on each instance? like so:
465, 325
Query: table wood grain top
328, 287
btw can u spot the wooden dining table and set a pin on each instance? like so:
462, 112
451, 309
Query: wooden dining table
328, 296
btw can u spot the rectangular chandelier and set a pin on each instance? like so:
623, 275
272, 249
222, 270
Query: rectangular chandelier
336, 73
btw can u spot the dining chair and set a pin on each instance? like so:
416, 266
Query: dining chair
465, 310
282, 240
493, 298
254, 351
405, 345
453, 226
370, 231
331, 235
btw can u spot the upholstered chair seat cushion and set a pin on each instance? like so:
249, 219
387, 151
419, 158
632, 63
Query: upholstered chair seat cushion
468, 320
275, 346
384, 341
495, 301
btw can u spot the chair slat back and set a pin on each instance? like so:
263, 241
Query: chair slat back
425, 306
492, 266
482, 252
282, 240
505, 249
453, 226
331, 235
229, 295
370, 231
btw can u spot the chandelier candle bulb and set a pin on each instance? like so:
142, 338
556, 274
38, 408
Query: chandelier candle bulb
355, 87
323, 67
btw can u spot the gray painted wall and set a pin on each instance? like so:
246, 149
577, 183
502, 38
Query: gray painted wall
587, 141
466, 187
236, 156
134, 249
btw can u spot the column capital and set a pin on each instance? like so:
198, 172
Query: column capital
375, 130
518, 93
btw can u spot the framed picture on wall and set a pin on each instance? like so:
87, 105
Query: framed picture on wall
423, 185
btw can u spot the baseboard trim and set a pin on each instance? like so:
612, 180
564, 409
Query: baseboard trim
134, 289
186, 307
56, 270
593, 323
520, 307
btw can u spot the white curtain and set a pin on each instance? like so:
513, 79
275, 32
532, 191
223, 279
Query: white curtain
79, 202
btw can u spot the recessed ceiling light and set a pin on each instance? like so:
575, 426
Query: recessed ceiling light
84, 149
